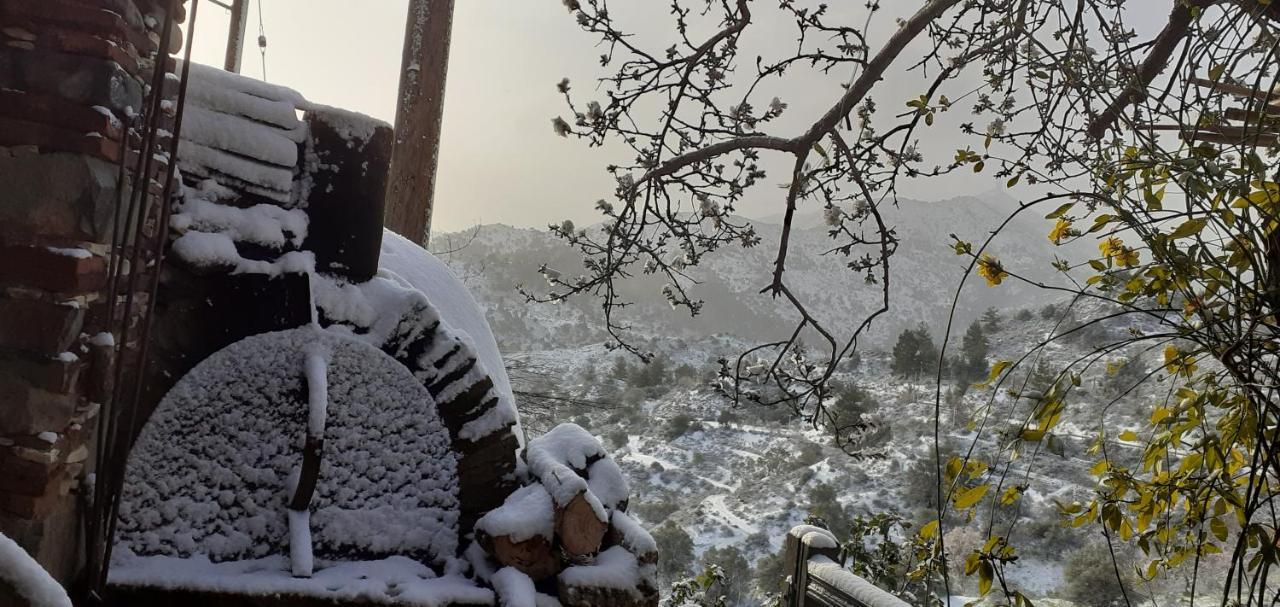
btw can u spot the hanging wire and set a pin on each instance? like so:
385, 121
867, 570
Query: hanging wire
262, 42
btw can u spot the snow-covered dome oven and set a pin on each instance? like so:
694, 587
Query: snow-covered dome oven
333, 416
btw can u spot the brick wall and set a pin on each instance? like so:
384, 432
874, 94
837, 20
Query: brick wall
71, 72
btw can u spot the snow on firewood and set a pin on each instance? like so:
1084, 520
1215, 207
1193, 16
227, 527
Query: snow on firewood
27, 578
262, 224
556, 458
277, 181
526, 513
229, 93
608, 483
514, 588
239, 135
211, 250
615, 569
626, 532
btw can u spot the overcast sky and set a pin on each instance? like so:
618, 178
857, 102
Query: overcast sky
499, 159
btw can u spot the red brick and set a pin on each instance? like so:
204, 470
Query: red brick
57, 139
33, 485
31, 507
44, 269
79, 79
39, 327
49, 109
82, 43
86, 18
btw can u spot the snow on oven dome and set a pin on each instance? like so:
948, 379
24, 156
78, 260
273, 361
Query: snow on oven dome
209, 483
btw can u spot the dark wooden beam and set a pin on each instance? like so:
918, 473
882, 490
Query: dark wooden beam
235, 35
419, 109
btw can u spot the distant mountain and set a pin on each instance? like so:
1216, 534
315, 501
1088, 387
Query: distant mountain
925, 272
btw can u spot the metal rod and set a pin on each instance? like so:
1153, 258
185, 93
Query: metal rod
107, 470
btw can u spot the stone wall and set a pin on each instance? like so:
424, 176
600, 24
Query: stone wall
71, 73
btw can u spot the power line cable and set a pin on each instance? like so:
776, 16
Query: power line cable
262, 42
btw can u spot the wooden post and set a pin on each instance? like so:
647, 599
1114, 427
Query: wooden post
235, 35
412, 179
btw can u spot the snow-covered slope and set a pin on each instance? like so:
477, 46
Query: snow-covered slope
925, 274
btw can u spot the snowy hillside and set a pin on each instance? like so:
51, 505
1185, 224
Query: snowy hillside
496, 258
723, 485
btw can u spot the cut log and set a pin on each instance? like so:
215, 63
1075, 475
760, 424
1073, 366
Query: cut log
579, 527
533, 557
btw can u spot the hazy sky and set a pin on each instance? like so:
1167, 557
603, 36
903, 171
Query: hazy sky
499, 159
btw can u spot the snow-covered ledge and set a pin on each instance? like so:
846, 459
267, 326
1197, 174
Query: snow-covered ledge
24, 583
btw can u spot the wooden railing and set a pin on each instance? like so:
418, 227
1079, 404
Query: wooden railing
818, 577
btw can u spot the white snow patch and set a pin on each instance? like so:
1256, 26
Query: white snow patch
526, 513
206, 249
301, 561
514, 588
77, 253
395, 580
263, 224
316, 371
28, 578
614, 568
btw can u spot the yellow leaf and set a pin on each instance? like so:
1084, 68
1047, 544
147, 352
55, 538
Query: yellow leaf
995, 372
989, 268
1060, 230
1190, 227
1128, 435
929, 530
971, 496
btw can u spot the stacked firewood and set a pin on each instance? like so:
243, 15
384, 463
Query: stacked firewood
569, 523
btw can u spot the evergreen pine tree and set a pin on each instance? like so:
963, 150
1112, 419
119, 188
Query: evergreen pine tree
904, 354
926, 352
973, 353
991, 320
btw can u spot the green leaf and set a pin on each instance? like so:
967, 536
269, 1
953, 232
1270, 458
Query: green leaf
1060, 211
1219, 529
